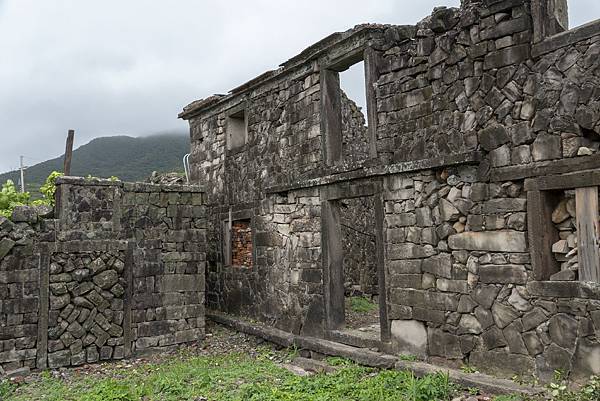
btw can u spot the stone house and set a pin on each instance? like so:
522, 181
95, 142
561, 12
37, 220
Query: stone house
473, 176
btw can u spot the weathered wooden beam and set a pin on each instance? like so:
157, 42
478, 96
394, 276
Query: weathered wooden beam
331, 115
542, 233
546, 168
564, 181
588, 253
372, 62
69, 153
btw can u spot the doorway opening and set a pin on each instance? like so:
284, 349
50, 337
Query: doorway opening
361, 290
355, 281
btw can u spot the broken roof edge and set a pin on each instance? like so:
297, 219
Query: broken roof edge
310, 53
315, 51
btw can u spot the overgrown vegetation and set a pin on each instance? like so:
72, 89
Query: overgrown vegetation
362, 305
10, 197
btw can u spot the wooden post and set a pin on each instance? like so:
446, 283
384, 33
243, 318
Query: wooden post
586, 200
371, 77
542, 233
68, 153
331, 116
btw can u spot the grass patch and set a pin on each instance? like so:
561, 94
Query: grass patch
362, 305
251, 376
235, 377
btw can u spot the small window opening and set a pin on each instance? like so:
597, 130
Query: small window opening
352, 84
237, 130
355, 135
345, 116
241, 243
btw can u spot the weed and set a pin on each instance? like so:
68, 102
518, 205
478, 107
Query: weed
559, 390
362, 305
508, 398
473, 390
408, 357
6, 389
338, 361
468, 369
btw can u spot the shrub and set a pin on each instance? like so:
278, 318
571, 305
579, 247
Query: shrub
362, 305
11, 198
48, 190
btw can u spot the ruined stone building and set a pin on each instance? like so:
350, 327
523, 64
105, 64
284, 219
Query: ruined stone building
464, 200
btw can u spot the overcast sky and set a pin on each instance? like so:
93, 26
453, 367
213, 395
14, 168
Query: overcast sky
127, 67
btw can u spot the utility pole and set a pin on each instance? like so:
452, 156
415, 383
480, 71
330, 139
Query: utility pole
22, 168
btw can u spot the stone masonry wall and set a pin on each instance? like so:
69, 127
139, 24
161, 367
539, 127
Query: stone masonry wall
85, 322
169, 230
120, 271
284, 284
460, 275
19, 295
471, 111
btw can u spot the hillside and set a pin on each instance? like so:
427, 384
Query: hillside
130, 159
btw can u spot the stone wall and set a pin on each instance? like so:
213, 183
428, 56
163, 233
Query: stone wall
169, 229
462, 278
478, 120
119, 271
19, 295
85, 321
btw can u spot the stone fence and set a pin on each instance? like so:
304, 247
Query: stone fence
120, 270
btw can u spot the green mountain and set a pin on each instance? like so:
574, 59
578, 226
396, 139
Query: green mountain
129, 159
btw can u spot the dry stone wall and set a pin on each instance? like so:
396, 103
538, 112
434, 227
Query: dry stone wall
119, 271
478, 122
85, 321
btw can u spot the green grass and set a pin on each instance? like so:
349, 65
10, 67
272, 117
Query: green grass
242, 377
234, 377
362, 305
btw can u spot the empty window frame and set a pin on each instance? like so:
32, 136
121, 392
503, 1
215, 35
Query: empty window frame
238, 248
347, 113
563, 216
237, 128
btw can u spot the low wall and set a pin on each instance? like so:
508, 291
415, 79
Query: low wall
119, 271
